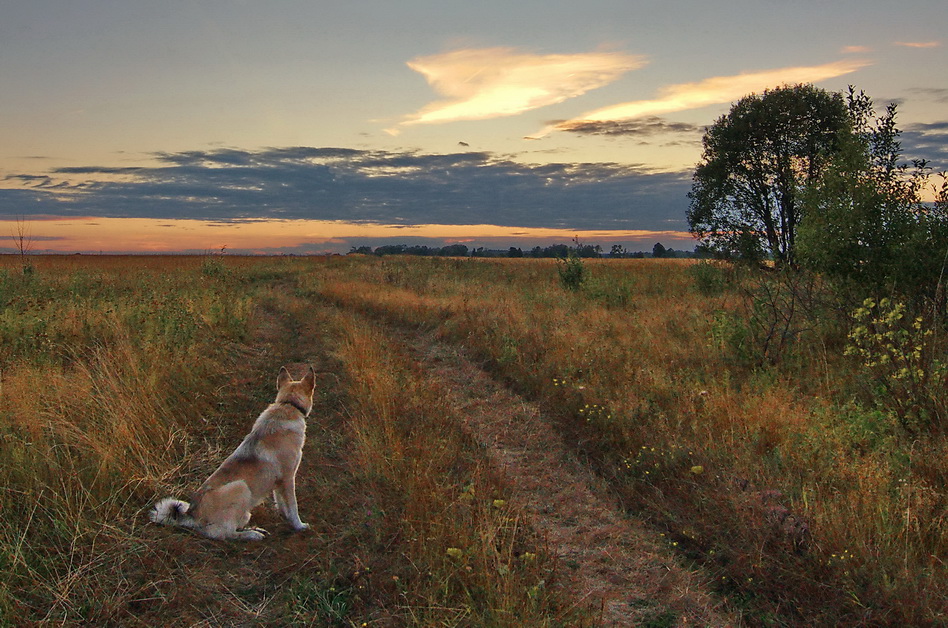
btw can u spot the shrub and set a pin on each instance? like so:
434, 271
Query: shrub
572, 271
710, 278
907, 375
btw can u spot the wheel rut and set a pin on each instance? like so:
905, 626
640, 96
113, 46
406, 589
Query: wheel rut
611, 561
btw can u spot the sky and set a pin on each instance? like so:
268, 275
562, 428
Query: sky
308, 126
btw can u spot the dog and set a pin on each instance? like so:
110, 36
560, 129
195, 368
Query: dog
265, 462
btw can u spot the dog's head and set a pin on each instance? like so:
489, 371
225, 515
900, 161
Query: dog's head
297, 393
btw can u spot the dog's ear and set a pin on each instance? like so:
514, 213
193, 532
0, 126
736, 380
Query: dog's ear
283, 378
310, 380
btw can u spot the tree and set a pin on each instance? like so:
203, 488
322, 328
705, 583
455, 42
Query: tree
658, 250
23, 240
454, 250
866, 226
745, 196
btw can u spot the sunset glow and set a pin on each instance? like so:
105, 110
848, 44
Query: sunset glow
146, 235
315, 127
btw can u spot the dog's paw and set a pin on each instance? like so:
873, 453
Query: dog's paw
299, 527
254, 534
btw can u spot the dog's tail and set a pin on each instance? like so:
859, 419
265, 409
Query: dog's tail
172, 512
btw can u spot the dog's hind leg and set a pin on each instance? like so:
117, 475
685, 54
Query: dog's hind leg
226, 510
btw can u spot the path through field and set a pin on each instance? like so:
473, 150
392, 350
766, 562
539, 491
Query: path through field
607, 562
612, 561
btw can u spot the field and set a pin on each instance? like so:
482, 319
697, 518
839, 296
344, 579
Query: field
487, 448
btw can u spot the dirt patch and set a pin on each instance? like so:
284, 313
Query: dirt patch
611, 560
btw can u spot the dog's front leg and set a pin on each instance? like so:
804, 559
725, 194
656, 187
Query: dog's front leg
278, 500
285, 495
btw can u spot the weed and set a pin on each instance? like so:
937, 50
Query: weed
767, 401
573, 272
749, 436
328, 603
728, 334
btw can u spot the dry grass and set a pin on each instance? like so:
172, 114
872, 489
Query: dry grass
125, 379
810, 508
463, 555
97, 360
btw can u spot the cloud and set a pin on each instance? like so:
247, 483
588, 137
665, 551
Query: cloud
927, 141
31, 180
938, 94
97, 170
711, 91
369, 186
32, 239
641, 127
483, 83
848, 50
918, 44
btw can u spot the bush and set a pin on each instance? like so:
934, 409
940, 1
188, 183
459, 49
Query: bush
907, 375
710, 278
572, 271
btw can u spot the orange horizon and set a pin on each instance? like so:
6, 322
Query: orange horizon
152, 235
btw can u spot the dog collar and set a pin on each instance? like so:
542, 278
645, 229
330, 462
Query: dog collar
292, 402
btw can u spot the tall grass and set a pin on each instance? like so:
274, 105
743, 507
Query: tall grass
811, 506
113, 374
807, 503
466, 557
104, 366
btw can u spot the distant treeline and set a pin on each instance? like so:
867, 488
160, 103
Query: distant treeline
555, 251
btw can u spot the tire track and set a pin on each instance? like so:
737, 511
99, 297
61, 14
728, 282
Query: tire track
612, 562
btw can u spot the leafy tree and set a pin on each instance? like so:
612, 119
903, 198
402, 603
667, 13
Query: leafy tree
390, 249
866, 225
556, 250
454, 250
745, 196
658, 250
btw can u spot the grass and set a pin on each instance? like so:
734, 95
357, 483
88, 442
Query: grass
126, 379
796, 472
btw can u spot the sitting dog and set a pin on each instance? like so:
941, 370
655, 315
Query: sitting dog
265, 462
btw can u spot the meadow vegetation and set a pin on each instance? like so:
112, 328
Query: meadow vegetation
798, 460
128, 379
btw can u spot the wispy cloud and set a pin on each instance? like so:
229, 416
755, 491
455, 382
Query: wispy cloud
711, 91
640, 127
938, 94
493, 82
918, 44
849, 50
